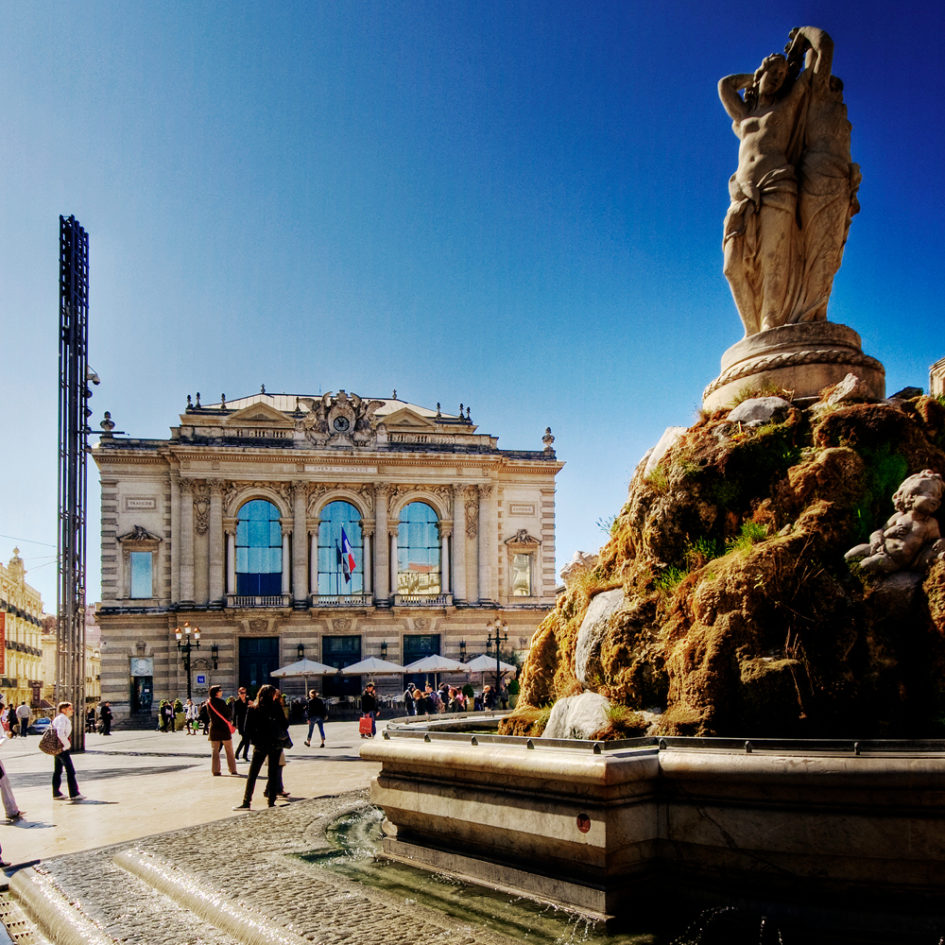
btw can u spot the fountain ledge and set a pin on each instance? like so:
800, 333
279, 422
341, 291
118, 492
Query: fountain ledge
602, 828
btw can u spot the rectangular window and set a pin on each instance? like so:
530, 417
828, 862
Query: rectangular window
141, 579
521, 575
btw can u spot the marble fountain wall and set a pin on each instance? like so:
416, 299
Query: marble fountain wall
604, 828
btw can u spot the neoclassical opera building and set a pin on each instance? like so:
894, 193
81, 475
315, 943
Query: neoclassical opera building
332, 527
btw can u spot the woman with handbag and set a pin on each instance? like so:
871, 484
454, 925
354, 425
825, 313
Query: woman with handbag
221, 731
268, 732
62, 725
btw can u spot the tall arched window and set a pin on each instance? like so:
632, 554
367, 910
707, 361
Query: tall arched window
418, 550
340, 550
258, 549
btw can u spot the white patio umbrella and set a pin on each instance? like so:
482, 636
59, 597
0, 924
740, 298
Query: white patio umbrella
304, 668
372, 666
435, 664
486, 664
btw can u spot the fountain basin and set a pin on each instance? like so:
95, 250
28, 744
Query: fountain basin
604, 829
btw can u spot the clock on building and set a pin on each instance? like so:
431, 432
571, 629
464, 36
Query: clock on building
341, 424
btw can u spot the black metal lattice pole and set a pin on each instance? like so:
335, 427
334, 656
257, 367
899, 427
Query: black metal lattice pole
73, 443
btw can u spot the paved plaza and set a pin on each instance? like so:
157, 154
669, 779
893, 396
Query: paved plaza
156, 856
139, 783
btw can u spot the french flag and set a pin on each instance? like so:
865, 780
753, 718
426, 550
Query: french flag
347, 557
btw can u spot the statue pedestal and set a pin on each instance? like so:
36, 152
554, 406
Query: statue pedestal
803, 359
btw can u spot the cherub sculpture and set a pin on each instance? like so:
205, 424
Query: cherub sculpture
911, 539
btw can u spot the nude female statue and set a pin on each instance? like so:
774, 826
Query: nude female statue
763, 244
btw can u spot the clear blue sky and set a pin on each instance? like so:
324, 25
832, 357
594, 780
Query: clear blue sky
516, 205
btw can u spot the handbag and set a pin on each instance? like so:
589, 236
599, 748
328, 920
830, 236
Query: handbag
50, 743
364, 725
284, 741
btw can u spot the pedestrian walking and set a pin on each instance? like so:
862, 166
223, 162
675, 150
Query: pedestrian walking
105, 714
10, 807
23, 718
369, 708
221, 731
316, 712
410, 704
268, 730
240, 708
62, 723
9, 718
191, 717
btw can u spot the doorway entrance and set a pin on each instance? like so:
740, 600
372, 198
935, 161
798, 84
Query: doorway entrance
259, 656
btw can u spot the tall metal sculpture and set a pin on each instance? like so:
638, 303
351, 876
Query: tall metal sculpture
74, 412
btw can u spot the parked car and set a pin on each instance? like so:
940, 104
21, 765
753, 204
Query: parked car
38, 726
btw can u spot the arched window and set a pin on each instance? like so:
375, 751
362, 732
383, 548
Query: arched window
418, 550
258, 549
340, 550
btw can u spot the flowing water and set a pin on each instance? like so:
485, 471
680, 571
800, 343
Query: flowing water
356, 837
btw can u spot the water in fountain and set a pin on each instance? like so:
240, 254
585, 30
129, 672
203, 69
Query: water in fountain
356, 836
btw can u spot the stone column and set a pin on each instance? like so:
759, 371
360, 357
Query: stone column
186, 536
313, 556
175, 536
473, 593
217, 550
459, 544
286, 559
381, 560
393, 527
299, 550
367, 566
229, 526
486, 549
446, 529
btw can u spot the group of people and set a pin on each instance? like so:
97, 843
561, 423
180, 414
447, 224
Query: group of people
446, 698
103, 724
15, 720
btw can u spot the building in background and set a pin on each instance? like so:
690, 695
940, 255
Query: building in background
21, 623
937, 379
93, 660
334, 527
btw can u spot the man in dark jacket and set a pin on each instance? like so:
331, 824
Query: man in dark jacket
219, 713
105, 714
239, 720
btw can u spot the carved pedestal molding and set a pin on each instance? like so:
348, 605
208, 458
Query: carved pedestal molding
802, 358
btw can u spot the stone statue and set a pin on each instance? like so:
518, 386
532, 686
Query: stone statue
911, 539
794, 191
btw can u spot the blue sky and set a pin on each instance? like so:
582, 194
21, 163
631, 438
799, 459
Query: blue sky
514, 205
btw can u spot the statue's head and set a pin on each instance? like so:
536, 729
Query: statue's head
921, 492
771, 74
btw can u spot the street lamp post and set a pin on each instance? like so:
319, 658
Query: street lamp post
501, 635
188, 638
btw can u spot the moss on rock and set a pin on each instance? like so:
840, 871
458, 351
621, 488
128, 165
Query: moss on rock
742, 616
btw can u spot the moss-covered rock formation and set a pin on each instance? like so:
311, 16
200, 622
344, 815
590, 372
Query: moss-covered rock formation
741, 617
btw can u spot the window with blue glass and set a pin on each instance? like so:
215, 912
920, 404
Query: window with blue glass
418, 550
141, 578
340, 550
258, 549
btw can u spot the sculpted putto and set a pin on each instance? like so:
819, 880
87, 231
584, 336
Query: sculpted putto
794, 191
911, 539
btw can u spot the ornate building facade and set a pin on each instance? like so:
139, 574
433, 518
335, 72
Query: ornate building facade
21, 624
331, 527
